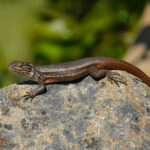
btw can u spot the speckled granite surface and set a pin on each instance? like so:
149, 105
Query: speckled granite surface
89, 114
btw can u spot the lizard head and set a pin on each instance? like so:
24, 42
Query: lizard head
24, 69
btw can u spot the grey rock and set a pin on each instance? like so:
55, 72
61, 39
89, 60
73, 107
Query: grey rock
86, 114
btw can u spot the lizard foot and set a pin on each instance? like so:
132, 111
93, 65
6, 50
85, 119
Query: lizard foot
115, 77
29, 95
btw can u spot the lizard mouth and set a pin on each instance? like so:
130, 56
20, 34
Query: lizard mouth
12, 66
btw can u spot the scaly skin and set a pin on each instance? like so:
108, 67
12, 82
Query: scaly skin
97, 67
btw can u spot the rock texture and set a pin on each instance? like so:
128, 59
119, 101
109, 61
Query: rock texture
88, 114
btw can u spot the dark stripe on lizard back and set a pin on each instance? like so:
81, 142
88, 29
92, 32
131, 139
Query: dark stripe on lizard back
69, 68
70, 65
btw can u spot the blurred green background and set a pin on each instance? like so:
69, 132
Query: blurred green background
52, 31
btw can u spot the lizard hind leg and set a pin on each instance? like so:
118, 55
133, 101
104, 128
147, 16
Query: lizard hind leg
97, 73
101, 73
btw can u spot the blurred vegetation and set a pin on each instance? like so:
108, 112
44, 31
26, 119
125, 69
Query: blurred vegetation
52, 31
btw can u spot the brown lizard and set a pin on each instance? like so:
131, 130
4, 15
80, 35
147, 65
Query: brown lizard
97, 67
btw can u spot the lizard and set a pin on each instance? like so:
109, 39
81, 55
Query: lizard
97, 67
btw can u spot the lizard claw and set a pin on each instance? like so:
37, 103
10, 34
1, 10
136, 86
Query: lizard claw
29, 95
115, 77
32, 94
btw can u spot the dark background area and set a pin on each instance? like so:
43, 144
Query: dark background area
54, 31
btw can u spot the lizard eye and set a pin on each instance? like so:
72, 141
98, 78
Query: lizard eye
26, 68
20, 65
29, 69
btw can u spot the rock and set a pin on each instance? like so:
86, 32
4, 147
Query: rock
87, 114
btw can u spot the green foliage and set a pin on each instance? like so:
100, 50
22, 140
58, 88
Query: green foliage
52, 31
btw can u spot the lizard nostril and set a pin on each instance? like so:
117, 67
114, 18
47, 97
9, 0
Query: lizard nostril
10, 67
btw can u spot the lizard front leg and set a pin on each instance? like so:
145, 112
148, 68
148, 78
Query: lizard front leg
41, 88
